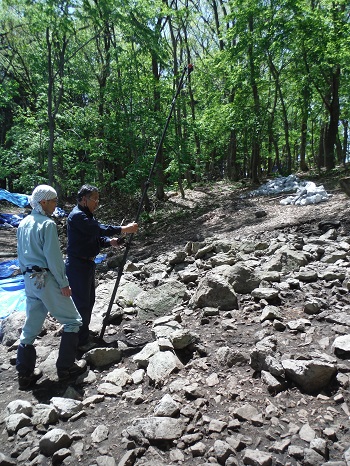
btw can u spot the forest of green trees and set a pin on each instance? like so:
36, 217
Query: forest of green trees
86, 87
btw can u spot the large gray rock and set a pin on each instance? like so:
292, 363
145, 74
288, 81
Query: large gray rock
128, 293
181, 339
53, 441
159, 301
14, 422
257, 458
270, 313
310, 375
105, 460
166, 329
177, 257
227, 356
222, 451
66, 407
100, 433
270, 294
273, 384
109, 389
243, 278
259, 355
341, 346
189, 274
100, 357
142, 358
167, 407
246, 412
313, 305
44, 414
11, 328
119, 376
214, 291
19, 407
156, 428
161, 365
341, 318
287, 260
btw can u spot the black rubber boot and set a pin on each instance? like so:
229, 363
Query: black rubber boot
66, 365
25, 364
67, 351
26, 358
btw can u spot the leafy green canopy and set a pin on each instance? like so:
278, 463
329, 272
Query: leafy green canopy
86, 87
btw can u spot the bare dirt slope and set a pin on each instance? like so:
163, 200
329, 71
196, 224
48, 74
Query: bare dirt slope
217, 211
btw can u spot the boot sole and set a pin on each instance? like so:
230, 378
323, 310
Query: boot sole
30, 383
65, 377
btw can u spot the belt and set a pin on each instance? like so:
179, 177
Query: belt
35, 268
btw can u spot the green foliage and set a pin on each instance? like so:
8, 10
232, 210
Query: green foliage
99, 78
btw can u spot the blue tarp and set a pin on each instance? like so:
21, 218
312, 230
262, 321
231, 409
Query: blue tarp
14, 219
10, 219
21, 200
12, 296
58, 212
100, 258
8, 268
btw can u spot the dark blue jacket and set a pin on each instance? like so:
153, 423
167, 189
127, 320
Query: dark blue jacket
86, 236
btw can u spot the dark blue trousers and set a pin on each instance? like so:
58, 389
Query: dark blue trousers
81, 276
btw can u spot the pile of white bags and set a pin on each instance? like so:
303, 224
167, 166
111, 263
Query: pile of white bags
306, 191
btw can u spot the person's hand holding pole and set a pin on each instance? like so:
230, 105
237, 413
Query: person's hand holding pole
130, 228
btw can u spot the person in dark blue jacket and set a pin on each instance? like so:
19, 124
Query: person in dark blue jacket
86, 237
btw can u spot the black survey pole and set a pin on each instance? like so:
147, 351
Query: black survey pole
188, 69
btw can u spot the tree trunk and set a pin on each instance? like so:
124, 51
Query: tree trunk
303, 131
160, 194
54, 100
334, 112
303, 164
321, 147
50, 115
276, 75
231, 165
255, 149
345, 140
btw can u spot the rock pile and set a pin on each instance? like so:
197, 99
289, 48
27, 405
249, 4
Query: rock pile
226, 352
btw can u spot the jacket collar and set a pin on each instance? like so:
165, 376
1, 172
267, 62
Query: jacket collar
86, 210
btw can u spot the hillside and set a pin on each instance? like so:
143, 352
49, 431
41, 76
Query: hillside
244, 299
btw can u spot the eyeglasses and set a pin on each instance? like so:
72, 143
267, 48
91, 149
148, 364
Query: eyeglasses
93, 200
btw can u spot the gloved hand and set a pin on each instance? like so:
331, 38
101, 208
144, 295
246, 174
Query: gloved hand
39, 278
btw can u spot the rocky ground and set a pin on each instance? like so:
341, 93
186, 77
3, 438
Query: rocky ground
227, 344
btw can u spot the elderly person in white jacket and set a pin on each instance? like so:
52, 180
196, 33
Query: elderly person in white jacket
47, 290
